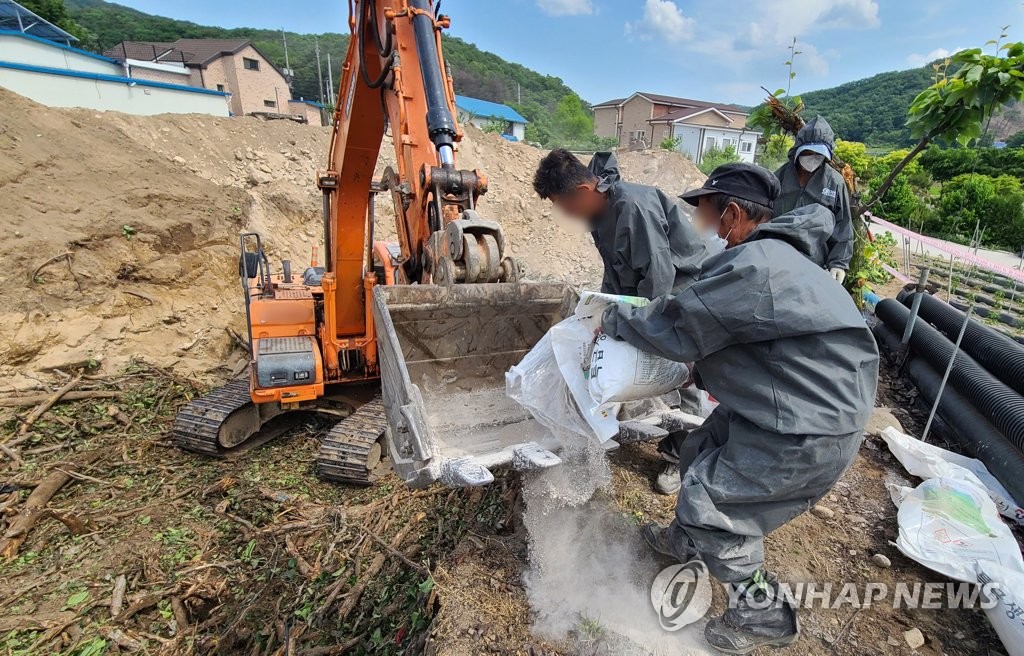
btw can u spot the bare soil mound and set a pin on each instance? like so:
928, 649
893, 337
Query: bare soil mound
119, 233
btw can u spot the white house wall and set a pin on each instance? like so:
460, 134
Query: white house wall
694, 141
20, 56
63, 91
21, 50
518, 129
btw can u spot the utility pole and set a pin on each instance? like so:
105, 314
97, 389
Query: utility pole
519, 93
330, 79
289, 74
319, 69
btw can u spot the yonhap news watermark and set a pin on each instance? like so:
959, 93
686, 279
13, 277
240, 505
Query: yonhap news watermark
917, 595
681, 595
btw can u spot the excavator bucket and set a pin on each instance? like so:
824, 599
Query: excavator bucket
444, 352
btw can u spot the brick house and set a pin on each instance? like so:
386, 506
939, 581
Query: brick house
643, 120
234, 66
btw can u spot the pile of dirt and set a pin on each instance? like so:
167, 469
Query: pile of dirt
120, 233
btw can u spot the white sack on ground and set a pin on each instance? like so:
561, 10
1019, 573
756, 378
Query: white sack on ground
929, 461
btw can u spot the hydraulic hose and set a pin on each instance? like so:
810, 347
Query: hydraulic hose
970, 430
1000, 355
993, 399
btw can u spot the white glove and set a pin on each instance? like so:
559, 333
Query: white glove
838, 274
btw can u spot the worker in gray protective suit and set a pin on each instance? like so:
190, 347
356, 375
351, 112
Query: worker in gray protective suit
647, 245
808, 178
794, 367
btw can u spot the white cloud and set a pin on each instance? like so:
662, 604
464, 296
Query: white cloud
566, 7
779, 21
917, 59
662, 19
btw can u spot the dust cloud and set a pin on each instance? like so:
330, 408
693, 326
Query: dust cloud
589, 575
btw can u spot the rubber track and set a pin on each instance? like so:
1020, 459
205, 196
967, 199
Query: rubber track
343, 453
197, 425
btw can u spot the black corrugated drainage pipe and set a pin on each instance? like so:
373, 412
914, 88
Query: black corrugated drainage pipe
974, 434
1000, 355
1000, 404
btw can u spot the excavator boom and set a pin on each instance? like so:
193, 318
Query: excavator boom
313, 337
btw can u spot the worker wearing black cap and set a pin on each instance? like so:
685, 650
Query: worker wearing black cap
794, 368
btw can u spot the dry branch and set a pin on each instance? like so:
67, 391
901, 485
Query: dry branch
56, 258
376, 565
117, 596
48, 403
35, 507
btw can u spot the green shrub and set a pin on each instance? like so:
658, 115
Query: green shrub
715, 157
670, 143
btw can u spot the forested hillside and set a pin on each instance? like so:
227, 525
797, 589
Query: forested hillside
477, 73
872, 110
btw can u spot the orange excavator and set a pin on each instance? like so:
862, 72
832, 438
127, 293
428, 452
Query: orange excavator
407, 343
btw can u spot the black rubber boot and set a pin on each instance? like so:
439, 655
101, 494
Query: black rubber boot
757, 618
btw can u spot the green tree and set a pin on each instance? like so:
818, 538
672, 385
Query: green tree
855, 154
1016, 140
958, 106
776, 151
996, 205
715, 157
55, 12
670, 143
572, 123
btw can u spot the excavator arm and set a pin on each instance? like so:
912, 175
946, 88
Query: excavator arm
394, 78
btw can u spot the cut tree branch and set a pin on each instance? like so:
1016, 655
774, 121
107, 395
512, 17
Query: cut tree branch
48, 403
889, 179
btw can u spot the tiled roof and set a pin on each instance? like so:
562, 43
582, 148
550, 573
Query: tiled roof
196, 52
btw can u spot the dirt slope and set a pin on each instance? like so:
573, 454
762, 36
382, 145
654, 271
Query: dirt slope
148, 211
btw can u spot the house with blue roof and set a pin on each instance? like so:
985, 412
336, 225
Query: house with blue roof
484, 114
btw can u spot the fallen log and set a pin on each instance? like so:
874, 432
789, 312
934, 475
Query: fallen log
36, 399
35, 506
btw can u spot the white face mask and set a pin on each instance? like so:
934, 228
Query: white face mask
714, 244
811, 162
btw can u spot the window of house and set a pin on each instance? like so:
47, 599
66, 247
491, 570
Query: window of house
746, 146
269, 103
220, 87
728, 141
250, 64
638, 135
710, 143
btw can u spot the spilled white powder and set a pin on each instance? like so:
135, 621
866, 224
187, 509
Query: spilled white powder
590, 573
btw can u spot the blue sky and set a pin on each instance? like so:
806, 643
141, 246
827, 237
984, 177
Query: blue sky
706, 49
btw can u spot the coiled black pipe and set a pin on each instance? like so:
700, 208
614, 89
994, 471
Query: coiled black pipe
960, 422
972, 432
1000, 355
1003, 407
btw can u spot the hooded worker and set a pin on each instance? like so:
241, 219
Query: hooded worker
808, 178
648, 247
794, 368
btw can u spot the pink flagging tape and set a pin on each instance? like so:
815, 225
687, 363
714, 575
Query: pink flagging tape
896, 274
962, 252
